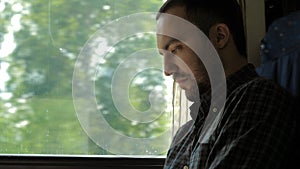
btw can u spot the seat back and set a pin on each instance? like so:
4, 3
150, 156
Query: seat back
280, 52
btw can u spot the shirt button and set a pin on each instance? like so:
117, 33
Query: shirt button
185, 167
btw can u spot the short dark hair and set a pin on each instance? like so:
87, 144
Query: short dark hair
205, 13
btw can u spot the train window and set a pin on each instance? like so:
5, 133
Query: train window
81, 82
82, 78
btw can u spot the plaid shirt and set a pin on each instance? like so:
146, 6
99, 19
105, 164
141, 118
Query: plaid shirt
253, 132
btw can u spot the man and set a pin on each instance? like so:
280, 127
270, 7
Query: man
256, 127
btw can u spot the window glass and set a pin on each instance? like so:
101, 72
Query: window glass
72, 83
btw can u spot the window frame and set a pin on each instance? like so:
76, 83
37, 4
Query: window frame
79, 162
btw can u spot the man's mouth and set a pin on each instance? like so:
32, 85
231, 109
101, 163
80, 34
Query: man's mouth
181, 81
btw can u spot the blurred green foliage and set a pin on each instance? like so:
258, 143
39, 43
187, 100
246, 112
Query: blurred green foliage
39, 117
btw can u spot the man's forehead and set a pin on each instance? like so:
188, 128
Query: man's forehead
163, 37
171, 16
170, 25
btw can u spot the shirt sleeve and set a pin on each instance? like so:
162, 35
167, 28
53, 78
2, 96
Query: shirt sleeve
257, 130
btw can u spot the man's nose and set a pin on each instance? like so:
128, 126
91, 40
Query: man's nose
169, 65
167, 73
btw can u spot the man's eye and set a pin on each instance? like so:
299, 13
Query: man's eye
175, 49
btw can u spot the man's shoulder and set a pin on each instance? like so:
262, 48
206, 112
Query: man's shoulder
183, 131
261, 86
185, 128
261, 94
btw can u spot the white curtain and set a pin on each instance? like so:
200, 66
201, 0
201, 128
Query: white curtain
181, 112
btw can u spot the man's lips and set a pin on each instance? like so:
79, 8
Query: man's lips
180, 80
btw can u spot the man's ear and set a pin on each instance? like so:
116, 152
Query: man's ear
219, 35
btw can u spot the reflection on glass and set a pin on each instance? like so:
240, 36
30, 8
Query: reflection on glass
40, 43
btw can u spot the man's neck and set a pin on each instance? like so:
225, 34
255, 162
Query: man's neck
233, 63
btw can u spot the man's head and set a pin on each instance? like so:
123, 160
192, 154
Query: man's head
204, 14
221, 22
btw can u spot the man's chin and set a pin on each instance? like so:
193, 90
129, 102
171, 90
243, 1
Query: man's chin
192, 95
